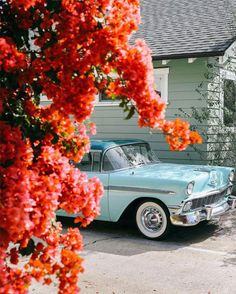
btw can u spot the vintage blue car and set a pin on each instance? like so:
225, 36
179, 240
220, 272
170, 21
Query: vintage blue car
155, 194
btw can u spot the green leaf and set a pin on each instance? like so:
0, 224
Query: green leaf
52, 74
122, 104
28, 249
55, 138
131, 112
54, 5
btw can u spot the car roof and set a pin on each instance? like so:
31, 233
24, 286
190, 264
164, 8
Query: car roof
103, 144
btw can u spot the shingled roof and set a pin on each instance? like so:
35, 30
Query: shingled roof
187, 28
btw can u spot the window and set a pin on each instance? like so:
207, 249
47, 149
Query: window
228, 96
160, 85
96, 161
128, 156
85, 164
90, 162
107, 165
115, 159
229, 107
102, 97
161, 82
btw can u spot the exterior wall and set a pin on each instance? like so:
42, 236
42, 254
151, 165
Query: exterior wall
184, 79
221, 138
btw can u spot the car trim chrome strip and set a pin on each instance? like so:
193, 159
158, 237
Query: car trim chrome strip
134, 189
175, 207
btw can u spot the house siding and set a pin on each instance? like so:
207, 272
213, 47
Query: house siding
221, 138
184, 79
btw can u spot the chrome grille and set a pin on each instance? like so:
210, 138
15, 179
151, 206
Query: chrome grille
211, 199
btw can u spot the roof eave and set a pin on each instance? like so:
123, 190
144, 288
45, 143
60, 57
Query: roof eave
189, 55
196, 54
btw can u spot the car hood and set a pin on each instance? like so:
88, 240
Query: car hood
202, 175
171, 171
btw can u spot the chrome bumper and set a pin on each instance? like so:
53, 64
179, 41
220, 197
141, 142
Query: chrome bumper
207, 212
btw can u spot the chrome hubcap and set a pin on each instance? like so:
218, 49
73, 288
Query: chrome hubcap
152, 219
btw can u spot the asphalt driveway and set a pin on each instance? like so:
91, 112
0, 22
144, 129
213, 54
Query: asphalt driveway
195, 260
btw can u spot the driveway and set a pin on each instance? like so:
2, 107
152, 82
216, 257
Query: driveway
195, 260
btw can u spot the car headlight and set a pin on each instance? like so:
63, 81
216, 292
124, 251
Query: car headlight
189, 188
187, 206
231, 176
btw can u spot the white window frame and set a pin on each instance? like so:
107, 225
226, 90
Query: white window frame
106, 102
225, 74
160, 72
163, 74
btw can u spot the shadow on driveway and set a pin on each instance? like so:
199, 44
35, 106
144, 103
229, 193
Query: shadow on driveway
124, 239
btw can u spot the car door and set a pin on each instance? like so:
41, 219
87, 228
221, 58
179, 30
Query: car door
95, 171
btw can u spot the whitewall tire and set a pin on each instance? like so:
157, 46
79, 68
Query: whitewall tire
152, 220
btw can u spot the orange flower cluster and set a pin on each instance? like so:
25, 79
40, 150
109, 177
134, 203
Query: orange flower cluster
45, 262
179, 135
31, 193
66, 50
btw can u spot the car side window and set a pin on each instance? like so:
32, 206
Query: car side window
85, 164
96, 161
90, 162
107, 165
114, 159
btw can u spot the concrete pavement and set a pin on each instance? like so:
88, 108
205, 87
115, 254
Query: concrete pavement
197, 260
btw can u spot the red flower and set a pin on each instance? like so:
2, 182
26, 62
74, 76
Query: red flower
10, 58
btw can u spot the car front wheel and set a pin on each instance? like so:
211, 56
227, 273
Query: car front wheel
152, 220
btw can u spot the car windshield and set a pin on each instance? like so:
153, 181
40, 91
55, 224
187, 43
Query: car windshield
131, 155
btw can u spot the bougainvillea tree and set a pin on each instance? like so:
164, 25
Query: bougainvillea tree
65, 50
